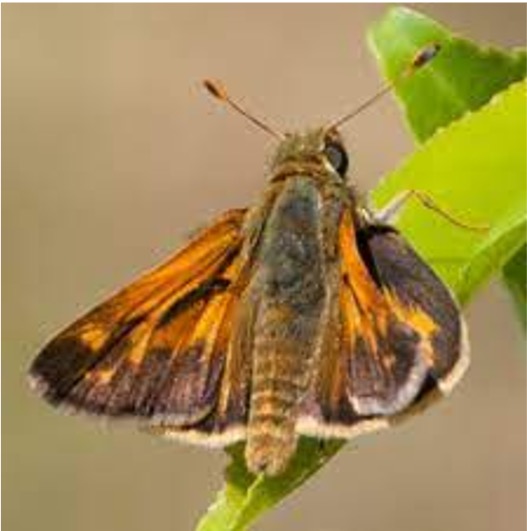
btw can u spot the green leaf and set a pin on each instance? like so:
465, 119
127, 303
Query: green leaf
515, 277
245, 497
462, 77
476, 169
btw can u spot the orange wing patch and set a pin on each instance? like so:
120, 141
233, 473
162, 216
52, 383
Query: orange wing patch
390, 348
368, 307
158, 348
384, 351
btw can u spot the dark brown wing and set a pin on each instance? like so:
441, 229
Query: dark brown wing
396, 337
160, 348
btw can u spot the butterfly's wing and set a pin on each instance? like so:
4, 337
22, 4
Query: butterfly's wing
160, 348
395, 339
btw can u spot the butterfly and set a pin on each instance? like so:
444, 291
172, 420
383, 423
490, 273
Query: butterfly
304, 315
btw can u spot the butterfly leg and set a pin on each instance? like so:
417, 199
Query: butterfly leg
388, 214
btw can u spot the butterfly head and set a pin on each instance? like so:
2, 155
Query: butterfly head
318, 148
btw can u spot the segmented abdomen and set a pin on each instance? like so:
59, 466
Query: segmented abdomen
289, 294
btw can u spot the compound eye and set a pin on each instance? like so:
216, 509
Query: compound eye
337, 157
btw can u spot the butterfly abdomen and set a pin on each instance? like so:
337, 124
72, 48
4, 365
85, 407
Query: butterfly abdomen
289, 297
279, 379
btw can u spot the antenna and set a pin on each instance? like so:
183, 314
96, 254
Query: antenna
217, 90
422, 58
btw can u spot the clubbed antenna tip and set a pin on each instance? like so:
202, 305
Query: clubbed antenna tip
426, 54
216, 89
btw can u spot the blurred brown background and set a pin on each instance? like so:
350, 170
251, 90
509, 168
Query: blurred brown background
112, 154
